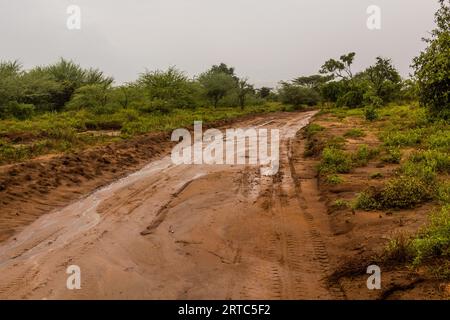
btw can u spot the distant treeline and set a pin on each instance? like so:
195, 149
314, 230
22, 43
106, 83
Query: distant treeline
65, 85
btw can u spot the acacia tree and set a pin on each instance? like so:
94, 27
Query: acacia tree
339, 68
264, 92
432, 66
216, 84
384, 79
243, 89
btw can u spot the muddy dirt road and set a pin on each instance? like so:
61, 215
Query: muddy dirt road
183, 232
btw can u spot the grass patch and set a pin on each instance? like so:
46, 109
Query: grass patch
399, 193
354, 133
376, 175
335, 161
334, 179
341, 204
313, 129
407, 138
363, 155
65, 131
434, 241
393, 155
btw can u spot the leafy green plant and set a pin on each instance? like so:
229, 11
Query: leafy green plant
393, 155
354, 133
407, 138
370, 113
334, 179
335, 161
432, 66
376, 175
312, 129
341, 203
399, 193
363, 155
336, 142
434, 240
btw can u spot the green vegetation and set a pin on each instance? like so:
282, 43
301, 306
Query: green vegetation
334, 179
393, 155
340, 204
430, 246
363, 155
376, 175
432, 66
402, 192
63, 107
72, 130
354, 133
335, 161
312, 129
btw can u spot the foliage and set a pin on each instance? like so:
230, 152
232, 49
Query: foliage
216, 85
335, 161
432, 66
354, 133
298, 96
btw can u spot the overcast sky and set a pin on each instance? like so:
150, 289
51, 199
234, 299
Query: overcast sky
265, 40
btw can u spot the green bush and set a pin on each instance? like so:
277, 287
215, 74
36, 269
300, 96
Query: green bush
399, 193
405, 192
376, 175
438, 161
312, 129
440, 139
407, 138
363, 155
334, 179
336, 142
443, 192
434, 241
393, 155
335, 161
371, 114
341, 204
432, 66
298, 96
354, 133
369, 199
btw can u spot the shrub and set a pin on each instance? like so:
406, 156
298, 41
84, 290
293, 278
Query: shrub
398, 248
432, 66
439, 140
405, 192
159, 105
336, 142
367, 200
21, 111
434, 240
334, 179
393, 155
436, 160
341, 204
371, 114
407, 138
298, 96
376, 175
363, 155
399, 193
335, 161
443, 192
354, 133
312, 129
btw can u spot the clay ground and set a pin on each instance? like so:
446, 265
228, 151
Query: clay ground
186, 231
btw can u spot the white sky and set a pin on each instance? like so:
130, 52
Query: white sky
265, 40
